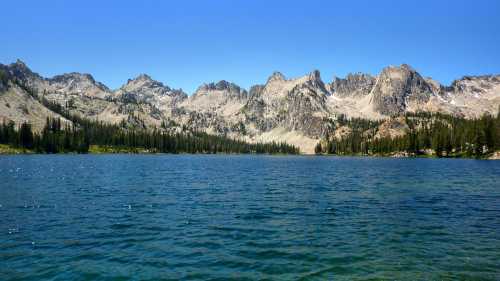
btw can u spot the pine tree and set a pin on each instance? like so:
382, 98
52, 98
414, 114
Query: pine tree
26, 136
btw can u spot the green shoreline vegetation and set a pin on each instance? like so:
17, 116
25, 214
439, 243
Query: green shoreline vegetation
428, 135
98, 137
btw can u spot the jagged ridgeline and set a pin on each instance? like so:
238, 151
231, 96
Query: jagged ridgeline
69, 132
301, 112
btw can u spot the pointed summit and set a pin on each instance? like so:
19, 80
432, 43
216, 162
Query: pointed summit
76, 83
222, 84
19, 67
227, 88
141, 77
276, 76
394, 69
397, 88
315, 75
143, 88
22, 72
144, 81
407, 67
20, 63
314, 80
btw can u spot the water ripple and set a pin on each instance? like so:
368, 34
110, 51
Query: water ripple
172, 217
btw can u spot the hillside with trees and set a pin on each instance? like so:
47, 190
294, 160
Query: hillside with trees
431, 134
59, 138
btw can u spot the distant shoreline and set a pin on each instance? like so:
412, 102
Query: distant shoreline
493, 156
8, 150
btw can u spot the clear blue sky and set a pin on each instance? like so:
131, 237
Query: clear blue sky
185, 43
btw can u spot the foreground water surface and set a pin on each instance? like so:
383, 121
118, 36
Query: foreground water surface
152, 217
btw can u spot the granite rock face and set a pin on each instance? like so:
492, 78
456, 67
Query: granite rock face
143, 89
354, 85
295, 104
398, 87
229, 89
78, 84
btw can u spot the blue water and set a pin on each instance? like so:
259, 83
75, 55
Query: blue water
171, 217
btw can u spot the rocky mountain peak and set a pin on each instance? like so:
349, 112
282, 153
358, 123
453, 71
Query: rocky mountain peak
475, 85
78, 83
276, 76
223, 84
220, 86
407, 67
141, 79
73, 76
354, 85
397, 87
143, 82
223, 87
21, 71
312, 81
145, 89
315, 75
144, 77
20, 64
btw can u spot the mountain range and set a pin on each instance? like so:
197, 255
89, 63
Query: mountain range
299, 111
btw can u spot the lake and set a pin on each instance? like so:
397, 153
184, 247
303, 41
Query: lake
224, 217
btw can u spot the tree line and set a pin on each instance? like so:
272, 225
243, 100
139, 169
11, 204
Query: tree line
439, 134
59, 137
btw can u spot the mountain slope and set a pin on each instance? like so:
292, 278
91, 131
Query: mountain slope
19, 106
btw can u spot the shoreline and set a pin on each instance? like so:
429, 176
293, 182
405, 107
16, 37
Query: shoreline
17, 152
490, 156
96, 150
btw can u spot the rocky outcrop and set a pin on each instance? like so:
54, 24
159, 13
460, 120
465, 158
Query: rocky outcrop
392, 128
223, 97
397, 88
296, 104
475, 85
20, 72
255, 90
143, 89
495, 156
227, 89
75, 83
471, 96
4, 79
354, 85
145, 100
215, 108
18, 106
